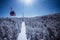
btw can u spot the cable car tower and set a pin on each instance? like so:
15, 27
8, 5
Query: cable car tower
23, 17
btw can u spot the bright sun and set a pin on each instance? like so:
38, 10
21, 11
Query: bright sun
27, 2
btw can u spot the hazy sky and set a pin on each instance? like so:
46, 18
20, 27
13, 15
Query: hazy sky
38, 7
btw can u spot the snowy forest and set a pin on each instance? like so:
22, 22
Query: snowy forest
37, 28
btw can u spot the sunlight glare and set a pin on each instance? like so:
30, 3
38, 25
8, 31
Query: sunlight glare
27, 2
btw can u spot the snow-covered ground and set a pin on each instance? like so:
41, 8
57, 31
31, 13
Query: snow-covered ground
22, 34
